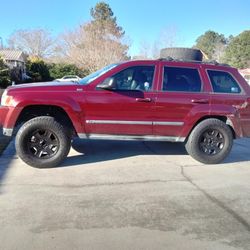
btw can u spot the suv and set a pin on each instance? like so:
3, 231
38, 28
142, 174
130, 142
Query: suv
204, 105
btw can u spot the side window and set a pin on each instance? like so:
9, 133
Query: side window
181, 79
134, 78
223, 82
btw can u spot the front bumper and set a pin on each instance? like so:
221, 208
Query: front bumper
8, 117
8, 131
3, 114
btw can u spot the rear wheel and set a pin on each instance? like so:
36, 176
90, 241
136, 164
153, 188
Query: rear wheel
43, 142
210, 141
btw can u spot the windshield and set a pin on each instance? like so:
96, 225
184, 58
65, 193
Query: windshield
87, 79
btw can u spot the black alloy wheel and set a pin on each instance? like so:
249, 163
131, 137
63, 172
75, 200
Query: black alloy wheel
212, 142
43, 143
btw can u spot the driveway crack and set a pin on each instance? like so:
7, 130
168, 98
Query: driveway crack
217, 202
98, 184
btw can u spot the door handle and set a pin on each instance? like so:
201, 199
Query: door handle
202, 101
143, 99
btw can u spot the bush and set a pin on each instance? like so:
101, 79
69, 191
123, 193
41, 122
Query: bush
38, 70
4, 75
61, 69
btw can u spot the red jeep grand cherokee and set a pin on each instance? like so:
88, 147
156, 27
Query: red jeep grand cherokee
204, 105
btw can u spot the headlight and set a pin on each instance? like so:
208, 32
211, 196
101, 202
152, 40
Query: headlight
6, 99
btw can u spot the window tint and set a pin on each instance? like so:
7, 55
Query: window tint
134, 78
223, 82
181, 79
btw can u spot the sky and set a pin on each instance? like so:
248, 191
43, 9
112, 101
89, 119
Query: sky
142, 20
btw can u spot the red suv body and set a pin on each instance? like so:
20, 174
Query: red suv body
144, 100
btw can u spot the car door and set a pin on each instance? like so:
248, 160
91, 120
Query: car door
126, 109
227, 93
180, 101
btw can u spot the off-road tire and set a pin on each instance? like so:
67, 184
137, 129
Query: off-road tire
201, 145
57, 142
182, 54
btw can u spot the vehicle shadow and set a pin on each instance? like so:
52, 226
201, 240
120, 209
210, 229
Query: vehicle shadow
93, 151
6, 158
240, 151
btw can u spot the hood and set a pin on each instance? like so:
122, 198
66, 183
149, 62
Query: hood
41, 84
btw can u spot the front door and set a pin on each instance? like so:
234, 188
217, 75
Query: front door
127, 109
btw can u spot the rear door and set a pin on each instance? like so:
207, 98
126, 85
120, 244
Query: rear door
181, 99
229, 94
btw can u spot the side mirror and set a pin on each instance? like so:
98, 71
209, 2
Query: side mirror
108, 83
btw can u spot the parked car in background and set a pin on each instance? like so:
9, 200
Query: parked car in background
69, 78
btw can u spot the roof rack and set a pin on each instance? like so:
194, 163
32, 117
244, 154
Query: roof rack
212, 62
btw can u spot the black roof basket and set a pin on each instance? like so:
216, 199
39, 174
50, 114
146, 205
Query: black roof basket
212, 62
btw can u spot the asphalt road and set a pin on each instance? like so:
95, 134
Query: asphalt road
126, 195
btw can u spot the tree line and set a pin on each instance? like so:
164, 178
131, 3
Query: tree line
102, 41
234, 51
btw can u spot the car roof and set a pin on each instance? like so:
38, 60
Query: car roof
178, 62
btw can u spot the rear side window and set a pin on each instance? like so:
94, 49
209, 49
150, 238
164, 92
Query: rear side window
223, 82
181, 79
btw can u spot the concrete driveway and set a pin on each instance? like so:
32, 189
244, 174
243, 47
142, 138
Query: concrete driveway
126, 195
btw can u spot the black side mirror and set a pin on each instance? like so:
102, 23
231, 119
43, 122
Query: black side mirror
108, 83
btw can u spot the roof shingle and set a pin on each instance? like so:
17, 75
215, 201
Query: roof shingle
16, 55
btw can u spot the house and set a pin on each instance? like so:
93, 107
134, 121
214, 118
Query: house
245, 73
15, 59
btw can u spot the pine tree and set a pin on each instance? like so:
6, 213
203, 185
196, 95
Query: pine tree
99, 42
211, 43
237, 53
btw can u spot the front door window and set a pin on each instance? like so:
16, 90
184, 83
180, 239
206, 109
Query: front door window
134, 78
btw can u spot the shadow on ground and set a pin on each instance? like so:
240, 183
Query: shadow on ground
92, 151
6, 154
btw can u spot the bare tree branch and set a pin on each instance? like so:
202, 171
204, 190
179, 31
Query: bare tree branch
35, 42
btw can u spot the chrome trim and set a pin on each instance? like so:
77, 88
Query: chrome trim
8, 131
118, 122
169, 123
131, 137
134, 122
245, 119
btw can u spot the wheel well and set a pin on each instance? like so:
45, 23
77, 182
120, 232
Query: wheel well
221, 118
58, 113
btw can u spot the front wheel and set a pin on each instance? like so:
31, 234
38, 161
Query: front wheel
42, 142
210, 141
